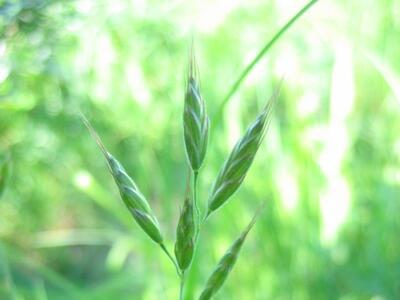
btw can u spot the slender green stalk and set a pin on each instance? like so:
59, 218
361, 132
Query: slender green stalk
182, 286
195, 177
171, 258
253, 63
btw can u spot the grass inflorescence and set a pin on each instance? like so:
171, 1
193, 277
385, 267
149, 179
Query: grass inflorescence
196, 127
229, 179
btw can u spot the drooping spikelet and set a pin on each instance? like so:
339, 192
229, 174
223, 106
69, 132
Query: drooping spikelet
185, 232
195, 119
240, 159
130, 194
225, 265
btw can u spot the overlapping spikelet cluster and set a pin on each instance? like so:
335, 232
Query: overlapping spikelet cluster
195, 119
185, 231
130, 194
235, 168
229, 179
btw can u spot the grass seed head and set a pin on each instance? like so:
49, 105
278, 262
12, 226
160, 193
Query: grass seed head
225, 265
195, 119
149, 224
130, 194
240, 159
185, 231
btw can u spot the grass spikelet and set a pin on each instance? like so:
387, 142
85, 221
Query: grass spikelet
130, 194
195, 119
240, 159
225, 265
4, 171
185, 232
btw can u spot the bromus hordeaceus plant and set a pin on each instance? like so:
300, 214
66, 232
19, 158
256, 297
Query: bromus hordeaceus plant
230, 177
195, 127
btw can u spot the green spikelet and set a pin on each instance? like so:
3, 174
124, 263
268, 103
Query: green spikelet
130, 194
185, 231
225, 265
240, 159
195, 119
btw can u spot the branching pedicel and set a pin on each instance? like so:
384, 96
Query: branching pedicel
230, 177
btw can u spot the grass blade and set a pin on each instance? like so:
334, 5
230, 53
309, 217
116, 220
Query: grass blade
218, 115
4, 173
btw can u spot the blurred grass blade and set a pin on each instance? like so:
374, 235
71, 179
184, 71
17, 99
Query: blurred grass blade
4, 173
7, 287
19, 257
235, 168
227, 262
390, 75
218, 115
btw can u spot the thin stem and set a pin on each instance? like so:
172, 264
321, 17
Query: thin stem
196, 174
256, 59
171, 258
182, 286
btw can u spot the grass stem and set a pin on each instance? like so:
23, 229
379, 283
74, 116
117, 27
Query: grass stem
182, 286
218, 115
171, 258
195, 177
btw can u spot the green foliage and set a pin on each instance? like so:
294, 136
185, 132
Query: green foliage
4, 173
63, 235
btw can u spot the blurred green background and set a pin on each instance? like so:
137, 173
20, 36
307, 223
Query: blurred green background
328, 171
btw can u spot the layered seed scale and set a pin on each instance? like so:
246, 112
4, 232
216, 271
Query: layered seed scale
195, 120
134, 200
225, 265
239, 161
130, 194
229, 179
185, 231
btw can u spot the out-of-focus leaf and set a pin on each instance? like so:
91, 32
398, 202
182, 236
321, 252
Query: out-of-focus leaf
4, 172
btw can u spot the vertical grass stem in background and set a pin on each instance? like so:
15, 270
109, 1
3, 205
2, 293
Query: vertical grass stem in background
4, 173
235, 86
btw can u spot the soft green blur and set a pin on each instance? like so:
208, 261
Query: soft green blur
328, 171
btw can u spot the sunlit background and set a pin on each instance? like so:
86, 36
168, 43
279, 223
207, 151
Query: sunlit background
328, 170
